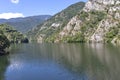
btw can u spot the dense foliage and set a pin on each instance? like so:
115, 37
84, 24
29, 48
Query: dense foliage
113, 32
4, 42
13, 35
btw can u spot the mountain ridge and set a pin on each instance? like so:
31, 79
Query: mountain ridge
56, 22
25, 24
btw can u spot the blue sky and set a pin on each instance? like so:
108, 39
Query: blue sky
33, 7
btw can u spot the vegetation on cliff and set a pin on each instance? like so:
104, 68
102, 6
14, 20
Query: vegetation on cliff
97, 21
56, 23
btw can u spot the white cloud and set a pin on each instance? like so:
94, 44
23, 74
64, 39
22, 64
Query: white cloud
15, 1
10, 15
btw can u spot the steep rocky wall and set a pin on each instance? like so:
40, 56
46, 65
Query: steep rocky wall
101, 29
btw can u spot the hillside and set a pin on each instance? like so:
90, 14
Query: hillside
98, 21
4, 43
55, 23
25, 24
12, 34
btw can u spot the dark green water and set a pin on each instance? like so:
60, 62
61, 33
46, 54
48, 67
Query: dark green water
61, 62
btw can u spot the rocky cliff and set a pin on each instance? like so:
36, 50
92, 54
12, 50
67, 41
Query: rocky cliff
98, 21
56, 23
109, 28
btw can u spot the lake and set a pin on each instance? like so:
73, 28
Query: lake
61, 62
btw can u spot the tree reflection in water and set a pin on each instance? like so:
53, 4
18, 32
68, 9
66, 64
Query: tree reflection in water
91, 61
82, 61
3, 66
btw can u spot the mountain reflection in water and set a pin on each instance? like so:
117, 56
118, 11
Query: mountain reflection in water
63, 62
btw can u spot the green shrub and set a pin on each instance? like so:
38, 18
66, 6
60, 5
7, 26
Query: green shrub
111, 34
79, 37
4, 42
83, 15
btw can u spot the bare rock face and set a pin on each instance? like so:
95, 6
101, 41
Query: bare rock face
97, 34
112, 8
97, 21
72, 27
101, 5
40, 38
103, 28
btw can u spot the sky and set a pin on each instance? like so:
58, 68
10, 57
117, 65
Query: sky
24, 8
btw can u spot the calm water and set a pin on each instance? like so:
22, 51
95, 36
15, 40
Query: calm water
61, 62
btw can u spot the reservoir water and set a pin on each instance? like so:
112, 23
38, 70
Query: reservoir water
61, 62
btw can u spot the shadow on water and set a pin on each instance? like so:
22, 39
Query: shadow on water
3, 66
63, 62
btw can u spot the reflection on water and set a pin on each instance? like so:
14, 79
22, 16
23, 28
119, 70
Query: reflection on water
63, 62
3, 65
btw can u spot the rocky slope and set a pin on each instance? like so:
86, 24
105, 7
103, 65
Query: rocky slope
98, 21
56, 23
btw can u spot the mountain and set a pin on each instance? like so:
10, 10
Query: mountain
25, 24
56, 23
98, 21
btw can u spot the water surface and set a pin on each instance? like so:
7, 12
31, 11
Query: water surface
61, 62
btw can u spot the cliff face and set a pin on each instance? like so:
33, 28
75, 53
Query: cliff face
51, 27
102, 5
109, 27
99, 21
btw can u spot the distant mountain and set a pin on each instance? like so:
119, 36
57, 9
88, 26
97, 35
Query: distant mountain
25, 24
56, 22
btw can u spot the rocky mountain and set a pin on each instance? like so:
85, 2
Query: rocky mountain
97, 21
25, 24
56, 23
